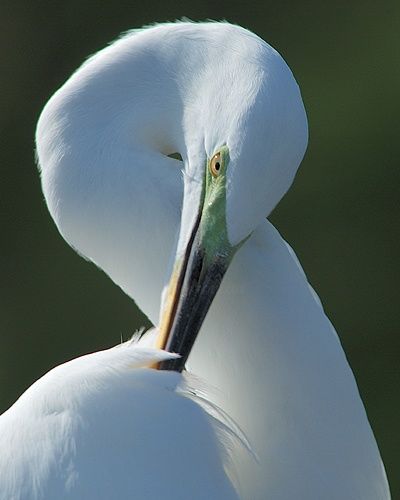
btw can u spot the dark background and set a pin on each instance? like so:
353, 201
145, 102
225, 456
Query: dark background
341, 216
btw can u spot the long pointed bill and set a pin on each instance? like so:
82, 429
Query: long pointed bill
198, 273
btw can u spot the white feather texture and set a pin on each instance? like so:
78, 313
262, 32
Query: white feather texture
115, 195
105, 427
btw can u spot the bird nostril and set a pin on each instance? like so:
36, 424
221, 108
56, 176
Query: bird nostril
175, 156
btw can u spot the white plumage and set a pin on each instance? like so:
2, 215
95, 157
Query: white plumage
103, 142
96, 428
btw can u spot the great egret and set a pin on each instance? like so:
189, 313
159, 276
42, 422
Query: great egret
224, 102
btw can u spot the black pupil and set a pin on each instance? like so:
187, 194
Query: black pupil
217, 165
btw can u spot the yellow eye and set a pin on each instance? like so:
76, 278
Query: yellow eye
215, 165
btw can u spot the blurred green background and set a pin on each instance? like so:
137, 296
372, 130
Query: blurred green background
341, 216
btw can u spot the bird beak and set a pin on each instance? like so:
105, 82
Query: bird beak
203, 256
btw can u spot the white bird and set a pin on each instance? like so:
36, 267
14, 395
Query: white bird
224, 102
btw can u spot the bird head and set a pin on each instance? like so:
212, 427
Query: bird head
245, 132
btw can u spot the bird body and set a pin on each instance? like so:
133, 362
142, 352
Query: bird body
105, 140
286, 381
72, 433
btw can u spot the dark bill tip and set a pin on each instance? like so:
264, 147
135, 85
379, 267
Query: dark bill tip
201, 282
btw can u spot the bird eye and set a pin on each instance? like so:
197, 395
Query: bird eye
215, 165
